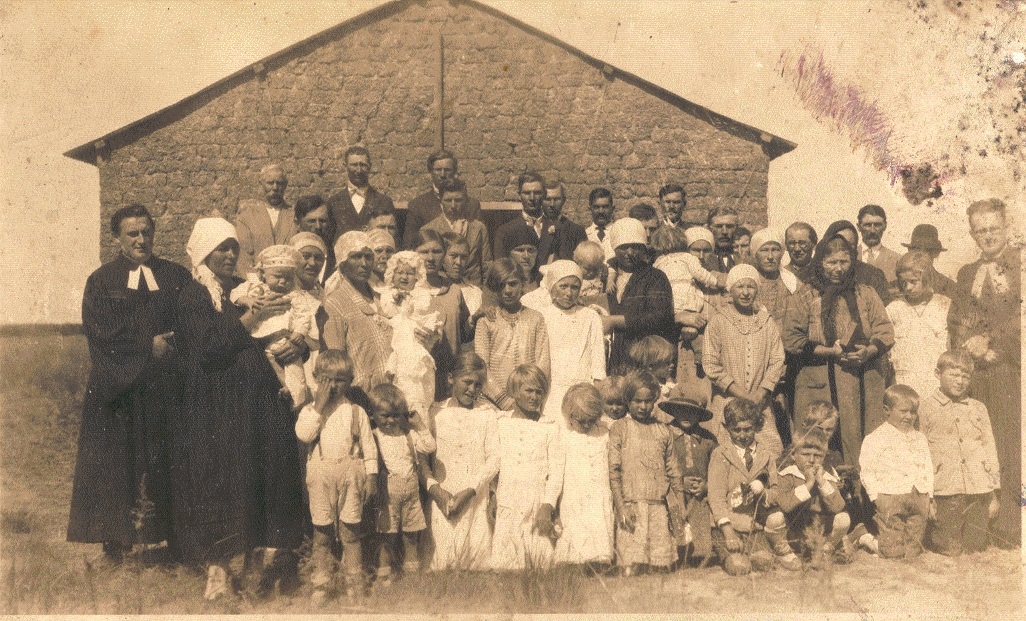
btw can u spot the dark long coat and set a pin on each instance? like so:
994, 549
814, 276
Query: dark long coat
235, 471
997, 384
123, 442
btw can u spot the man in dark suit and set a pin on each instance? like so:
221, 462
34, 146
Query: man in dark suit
722, 222
350, 207
568, 233
443, 167
531, 188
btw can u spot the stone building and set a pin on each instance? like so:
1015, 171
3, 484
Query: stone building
405, 77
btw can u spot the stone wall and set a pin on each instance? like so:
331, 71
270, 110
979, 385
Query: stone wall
514, 99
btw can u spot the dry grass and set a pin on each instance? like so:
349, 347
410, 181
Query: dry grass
42, 380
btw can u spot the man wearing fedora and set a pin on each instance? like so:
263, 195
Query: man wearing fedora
925, 239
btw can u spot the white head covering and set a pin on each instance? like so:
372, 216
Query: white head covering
765, 236
304, 239
557, 271
351, 242
380, 237
699, 233
279, 256
207, 235
627, 231
740, 272
347, 244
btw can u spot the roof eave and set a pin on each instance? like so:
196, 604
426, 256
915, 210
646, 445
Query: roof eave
773, 146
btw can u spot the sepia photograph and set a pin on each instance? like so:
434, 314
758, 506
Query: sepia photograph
512, 307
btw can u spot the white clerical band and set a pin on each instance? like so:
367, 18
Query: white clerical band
147, 275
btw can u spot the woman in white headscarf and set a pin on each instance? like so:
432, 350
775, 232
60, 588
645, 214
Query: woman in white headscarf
235, 471
576, 344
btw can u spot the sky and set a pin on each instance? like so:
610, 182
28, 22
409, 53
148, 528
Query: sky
73, 70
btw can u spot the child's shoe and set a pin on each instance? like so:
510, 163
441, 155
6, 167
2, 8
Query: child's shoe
762, 560
319, 597
789, 561
217, 583
822, 557
737, 565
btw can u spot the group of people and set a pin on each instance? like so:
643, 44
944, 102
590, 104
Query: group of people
641, 393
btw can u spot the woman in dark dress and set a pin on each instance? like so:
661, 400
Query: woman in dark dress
985, 320
236, 482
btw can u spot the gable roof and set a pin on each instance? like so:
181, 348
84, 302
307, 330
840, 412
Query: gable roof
774, 146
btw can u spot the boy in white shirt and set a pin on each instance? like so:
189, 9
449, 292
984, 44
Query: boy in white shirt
897, 473
341, 472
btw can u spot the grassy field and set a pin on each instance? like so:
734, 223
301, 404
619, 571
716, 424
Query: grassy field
42, 380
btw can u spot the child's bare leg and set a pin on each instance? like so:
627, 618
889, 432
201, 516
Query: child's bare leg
295, 381
411, 552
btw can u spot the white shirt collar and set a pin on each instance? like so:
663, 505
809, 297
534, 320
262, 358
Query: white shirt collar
144, 272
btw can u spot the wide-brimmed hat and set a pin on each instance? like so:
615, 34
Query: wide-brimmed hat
681, 405
925, 238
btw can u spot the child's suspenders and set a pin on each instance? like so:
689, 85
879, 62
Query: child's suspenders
355, 450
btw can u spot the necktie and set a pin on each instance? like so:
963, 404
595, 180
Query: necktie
749, 459
601, 231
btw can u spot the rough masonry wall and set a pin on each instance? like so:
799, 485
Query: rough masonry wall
513, 101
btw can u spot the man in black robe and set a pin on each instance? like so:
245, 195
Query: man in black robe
121, 492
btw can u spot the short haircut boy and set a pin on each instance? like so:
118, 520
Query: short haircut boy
739, 410
334, 362
387, 398
956, 359
900, 393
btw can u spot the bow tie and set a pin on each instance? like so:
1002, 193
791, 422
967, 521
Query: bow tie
146, 274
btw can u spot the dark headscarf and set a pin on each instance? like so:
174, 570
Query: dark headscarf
831, 292
524, 235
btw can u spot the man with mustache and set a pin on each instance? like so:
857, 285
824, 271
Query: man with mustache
872, 223
600, 204
351, 207
723, 221
265, 222
800, 240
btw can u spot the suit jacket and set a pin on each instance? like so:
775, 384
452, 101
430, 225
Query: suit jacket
727, 473
568, 235
253, 226
426, 208
647, 307
866, 274
994, 313
722, 262
547, 244
342, 211
477, 237
886, 261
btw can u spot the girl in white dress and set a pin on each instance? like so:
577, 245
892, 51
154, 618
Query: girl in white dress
586, 505
530, 477
465, 463
920, 322
407, 304
576, 348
